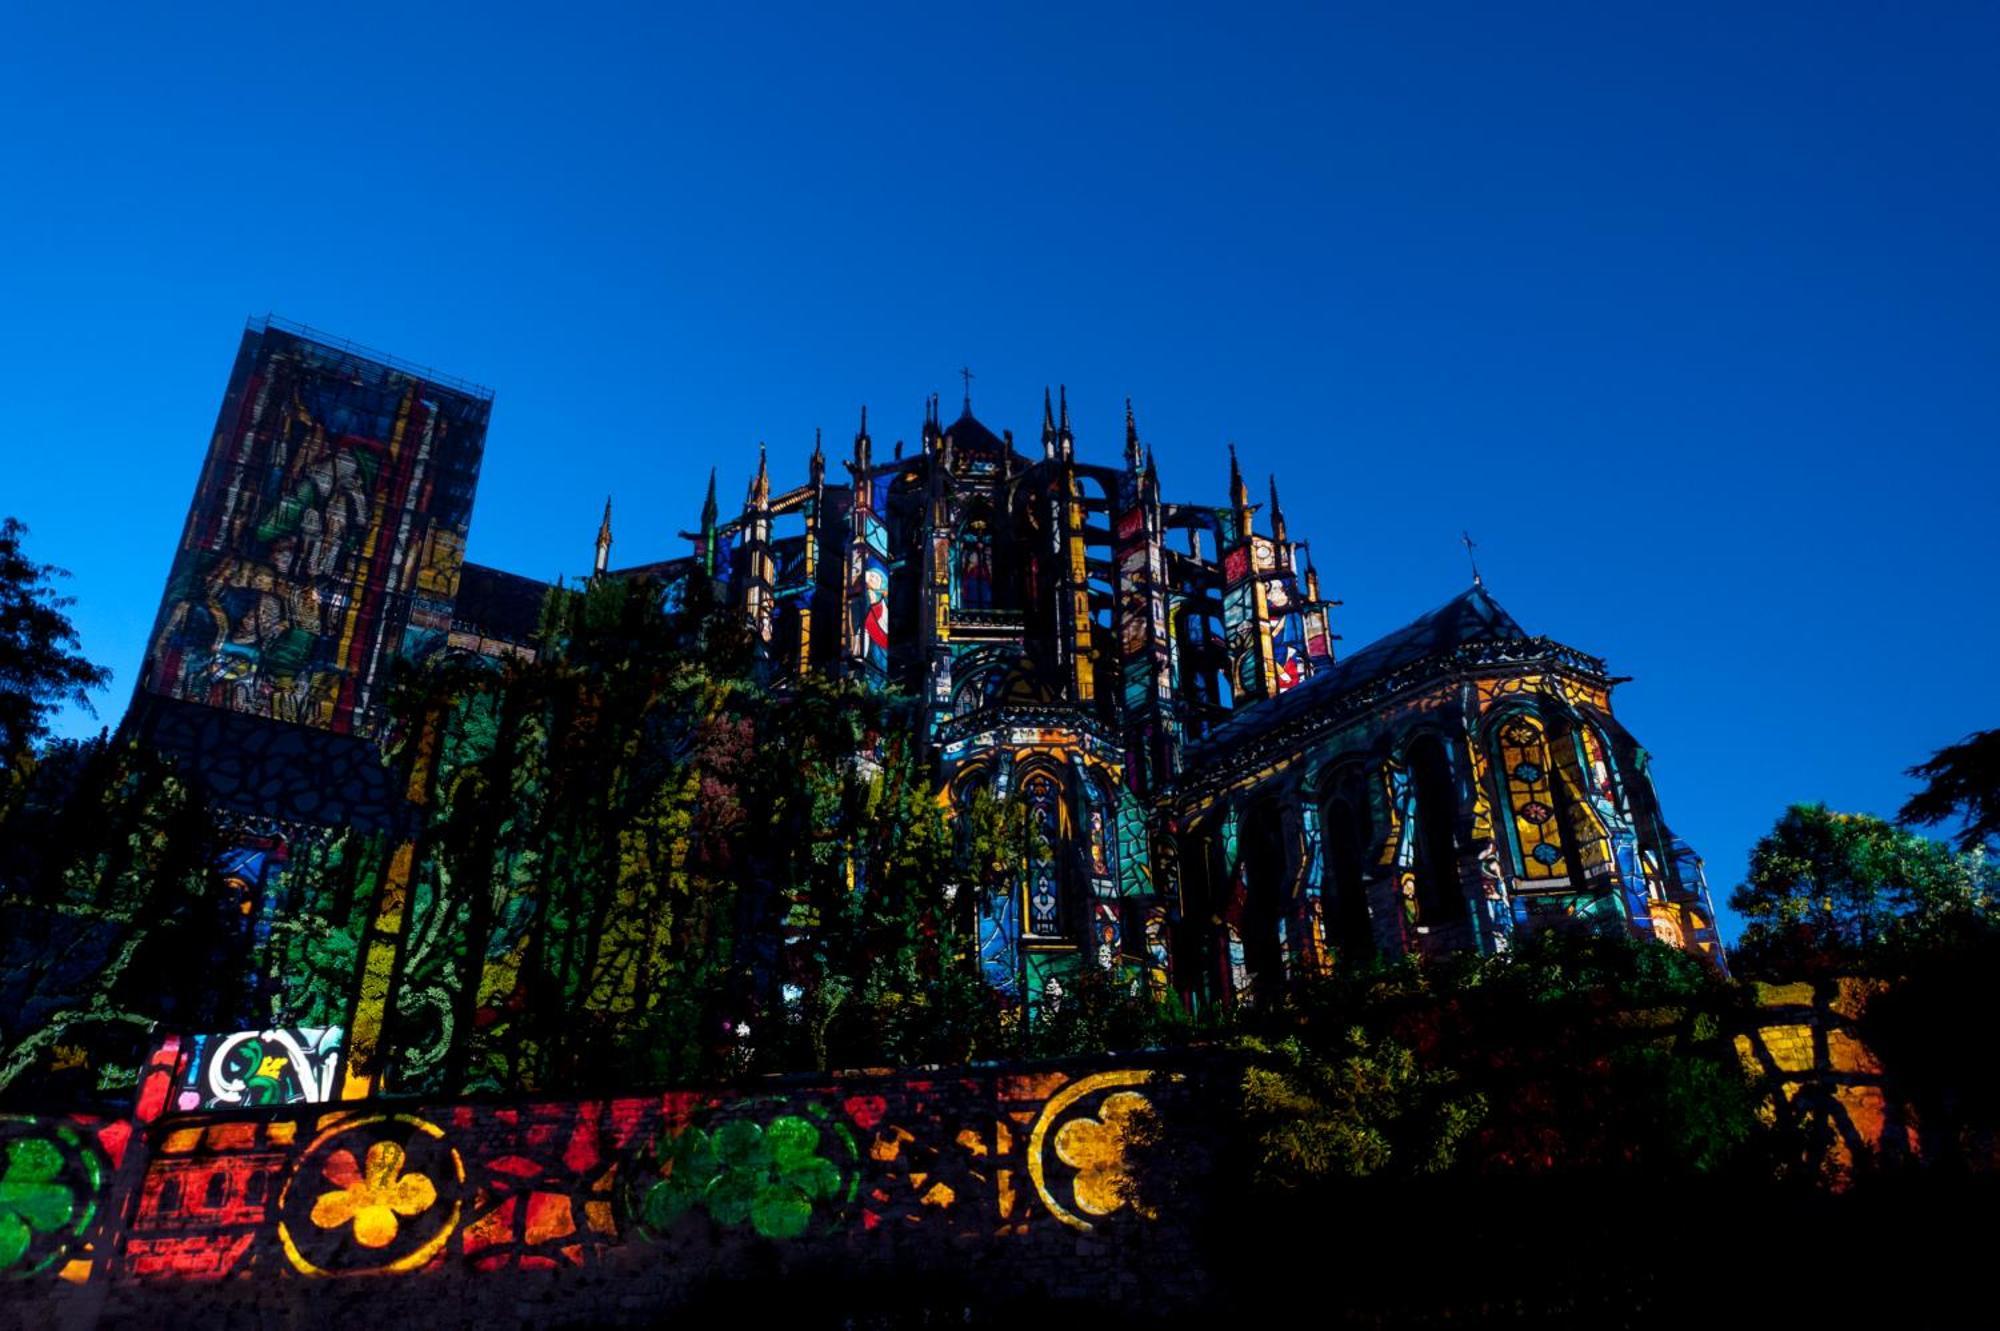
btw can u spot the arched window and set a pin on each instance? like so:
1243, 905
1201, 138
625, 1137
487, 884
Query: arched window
972, 564
1264, 906
1588, 798
1344, 822
1197, 946
1532, 801
1043, 794
1440, 894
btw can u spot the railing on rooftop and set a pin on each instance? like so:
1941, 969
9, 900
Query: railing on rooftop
353, 348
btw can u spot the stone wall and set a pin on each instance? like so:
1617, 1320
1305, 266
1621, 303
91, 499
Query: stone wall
994, 1184
1804, 1048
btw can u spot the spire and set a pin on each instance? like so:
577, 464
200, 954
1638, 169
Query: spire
1048, 424
603, 541
760, 484
1064, 438
1133, 457
1239, 493
863, 460
818, 464
1277, 513
1312, 573
1470, 545
708, 526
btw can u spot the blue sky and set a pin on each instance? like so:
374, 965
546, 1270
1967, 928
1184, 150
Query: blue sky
1689, 313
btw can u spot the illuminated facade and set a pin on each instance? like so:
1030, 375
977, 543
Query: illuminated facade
1223, 805
326, 534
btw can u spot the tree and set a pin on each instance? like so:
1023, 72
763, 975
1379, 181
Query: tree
1961, 781
41, 665
1841, 889
111, 916
1317, 1114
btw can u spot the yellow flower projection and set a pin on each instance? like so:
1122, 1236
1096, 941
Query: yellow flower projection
373, 1196
1096, 1149
371, 1193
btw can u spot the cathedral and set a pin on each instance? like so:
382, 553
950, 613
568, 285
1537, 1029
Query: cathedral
1227, 804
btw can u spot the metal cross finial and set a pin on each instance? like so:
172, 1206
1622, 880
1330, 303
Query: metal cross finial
966, 375
1471, 558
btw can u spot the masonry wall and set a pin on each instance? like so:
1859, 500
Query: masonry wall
993, 1184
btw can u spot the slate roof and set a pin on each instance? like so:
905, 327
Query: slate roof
1471, 616
969, 435
498, 605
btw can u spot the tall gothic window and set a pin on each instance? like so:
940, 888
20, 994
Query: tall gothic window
1043, 794
1532, 799
1264, 905
1588, 798
972, 559
1440, 896
1344, 825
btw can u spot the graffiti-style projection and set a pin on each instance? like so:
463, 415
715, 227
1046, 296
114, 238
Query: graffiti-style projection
270, 1067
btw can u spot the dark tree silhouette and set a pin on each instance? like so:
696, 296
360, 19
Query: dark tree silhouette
1961, 780
41, 665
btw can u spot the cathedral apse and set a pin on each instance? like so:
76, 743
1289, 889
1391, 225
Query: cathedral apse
1222, 806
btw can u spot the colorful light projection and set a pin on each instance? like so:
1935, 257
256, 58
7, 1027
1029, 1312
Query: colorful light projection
299, 1065
325, 538
312, 1192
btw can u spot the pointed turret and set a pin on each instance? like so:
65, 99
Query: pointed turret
1048, 424
1133, 455
760, 484
708, 511
603, 560
864, 458
1239, 493
1065, 441
816, 468
931, 438
1277, 514
1312, 573
1239, 503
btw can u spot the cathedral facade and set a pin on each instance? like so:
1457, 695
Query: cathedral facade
1225, 803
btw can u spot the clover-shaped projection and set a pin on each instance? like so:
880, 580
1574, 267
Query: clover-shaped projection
373, 1195
1095, 1147
769, 1175
31, 1200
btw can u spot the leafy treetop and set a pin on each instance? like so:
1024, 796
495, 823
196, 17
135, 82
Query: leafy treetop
41, 664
